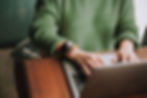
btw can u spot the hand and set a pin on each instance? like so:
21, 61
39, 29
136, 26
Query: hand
126, 52
86, 60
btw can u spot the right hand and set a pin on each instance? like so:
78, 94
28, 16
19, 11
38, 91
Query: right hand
86, 60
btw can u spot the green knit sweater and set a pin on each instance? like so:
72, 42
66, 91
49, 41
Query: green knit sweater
93, 25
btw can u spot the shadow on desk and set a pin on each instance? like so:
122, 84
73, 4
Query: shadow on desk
21, 80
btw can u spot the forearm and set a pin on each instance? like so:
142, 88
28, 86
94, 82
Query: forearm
45, 28
127, 29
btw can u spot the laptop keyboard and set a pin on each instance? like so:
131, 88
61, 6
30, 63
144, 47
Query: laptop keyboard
75, 79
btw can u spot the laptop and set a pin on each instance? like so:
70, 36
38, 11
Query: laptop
108, 81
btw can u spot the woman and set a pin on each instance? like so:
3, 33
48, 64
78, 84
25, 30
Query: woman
78, 28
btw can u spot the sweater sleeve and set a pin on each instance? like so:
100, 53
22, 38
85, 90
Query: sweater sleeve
46, 25
126, 26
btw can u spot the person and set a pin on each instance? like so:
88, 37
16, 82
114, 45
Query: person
77, 29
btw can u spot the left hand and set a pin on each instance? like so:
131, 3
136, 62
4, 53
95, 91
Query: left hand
126, 52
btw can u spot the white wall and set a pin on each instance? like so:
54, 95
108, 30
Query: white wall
141, 15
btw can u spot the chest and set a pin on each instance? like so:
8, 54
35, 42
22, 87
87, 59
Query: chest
94, 12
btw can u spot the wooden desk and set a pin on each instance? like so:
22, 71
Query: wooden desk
45, 78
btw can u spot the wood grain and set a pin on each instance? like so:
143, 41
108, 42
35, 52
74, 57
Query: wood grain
46, 79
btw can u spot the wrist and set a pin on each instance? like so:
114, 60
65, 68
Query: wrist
75, 50
66, 49
126, 44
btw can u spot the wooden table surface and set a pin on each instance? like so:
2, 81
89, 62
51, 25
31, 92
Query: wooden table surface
45, 78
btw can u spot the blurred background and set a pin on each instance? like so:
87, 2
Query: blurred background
15, 19
141, 16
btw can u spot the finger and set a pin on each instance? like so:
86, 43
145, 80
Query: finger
91, 61
130, 58
85, 70
95, 64
98, 59
122, 57
133, 58
115, 60
91, 64
119, 56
